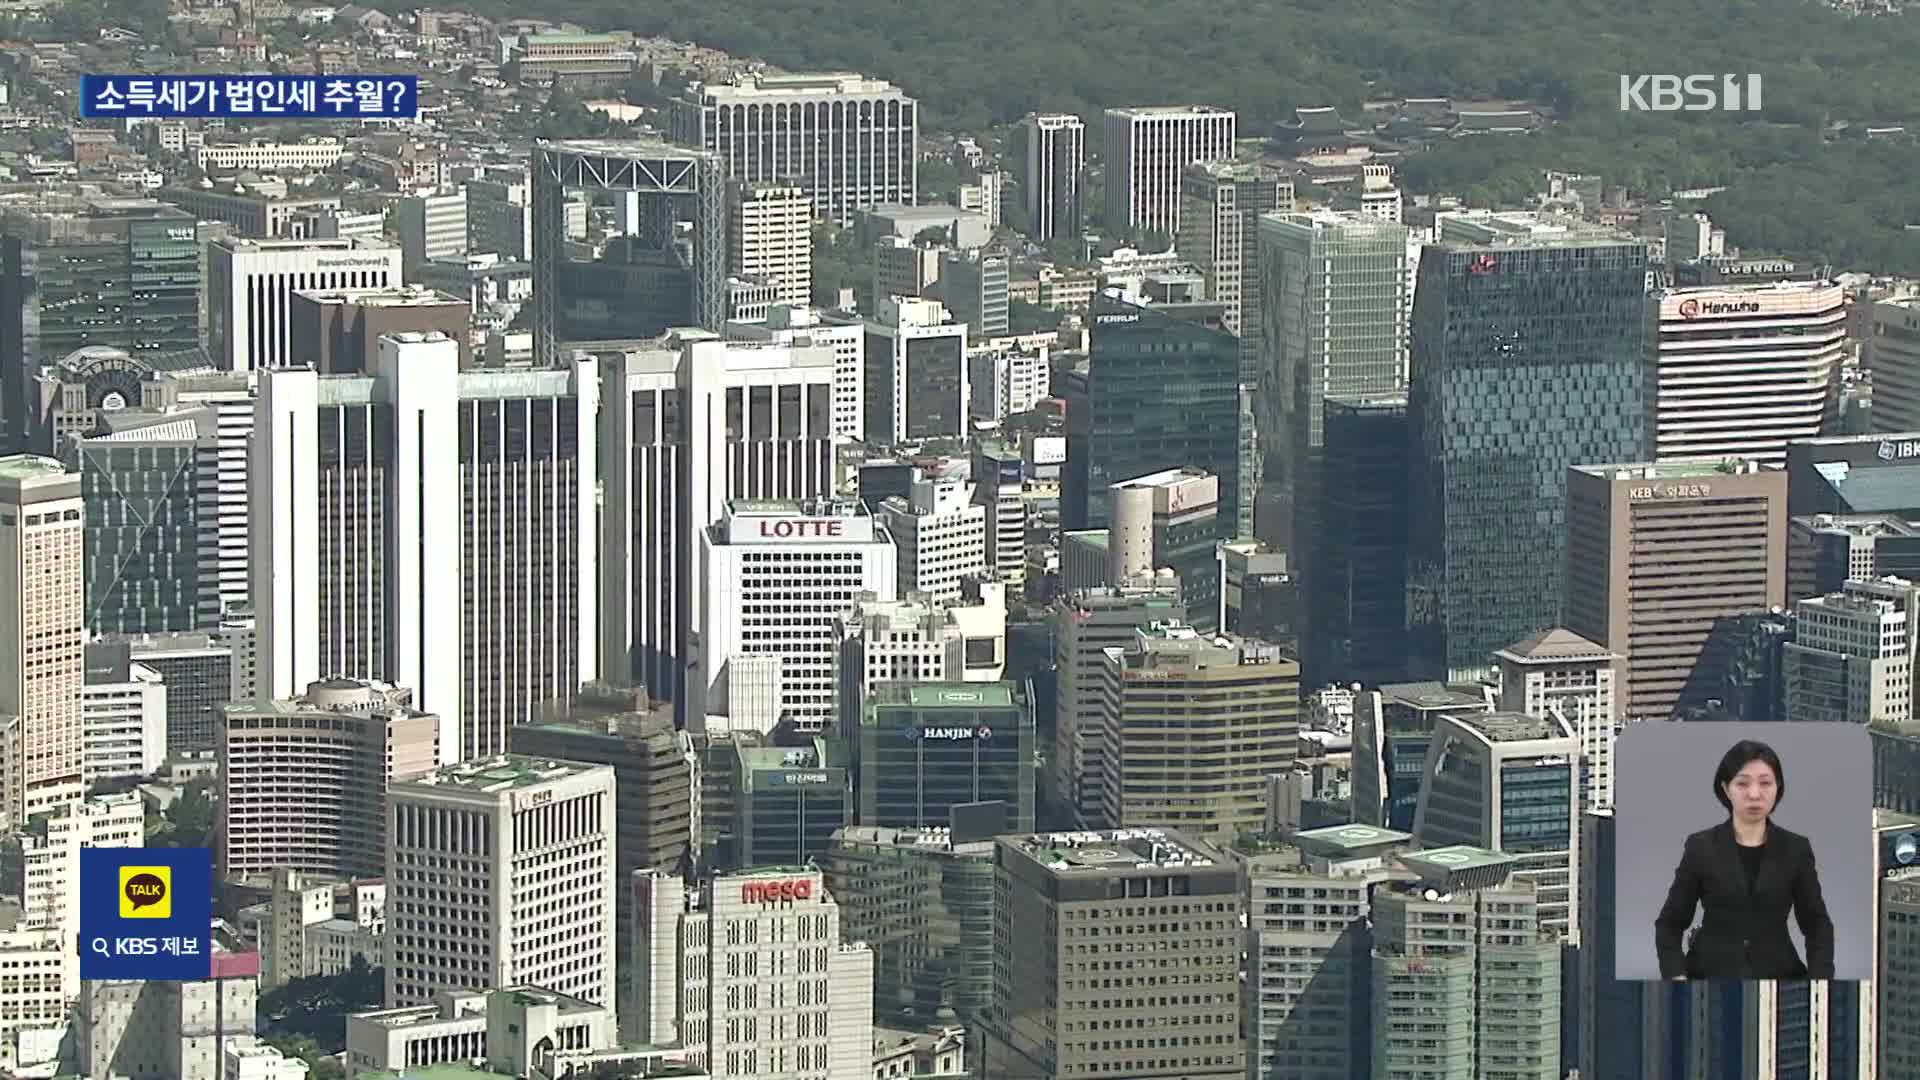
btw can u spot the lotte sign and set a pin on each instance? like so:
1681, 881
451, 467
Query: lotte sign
802, 528
769, 892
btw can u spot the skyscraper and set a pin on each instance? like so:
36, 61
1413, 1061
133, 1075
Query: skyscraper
691, 423
1659, 556
140, 481
1531, 354
766, 127
513, 858
43, 632
1334, 309
89, 270
1558, 671
916, 377
430, 528
770, 239
1354, 621
1147, 152
1056, 155
250, 286
922, 748
1162, 393
221, 468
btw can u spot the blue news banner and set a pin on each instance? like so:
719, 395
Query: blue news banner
332, 97
146, 913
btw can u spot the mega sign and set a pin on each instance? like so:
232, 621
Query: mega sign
1692, 308
770, 892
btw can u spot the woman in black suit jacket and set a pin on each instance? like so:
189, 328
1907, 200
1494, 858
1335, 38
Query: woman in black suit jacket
1746, 872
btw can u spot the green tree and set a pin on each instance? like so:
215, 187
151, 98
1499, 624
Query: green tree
188, 821
315, 1008
1025, 318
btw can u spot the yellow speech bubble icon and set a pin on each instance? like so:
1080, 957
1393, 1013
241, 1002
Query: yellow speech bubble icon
146, 892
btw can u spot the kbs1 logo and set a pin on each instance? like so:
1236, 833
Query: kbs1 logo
1689, 93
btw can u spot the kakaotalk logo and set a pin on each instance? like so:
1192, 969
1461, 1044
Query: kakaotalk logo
1689, 93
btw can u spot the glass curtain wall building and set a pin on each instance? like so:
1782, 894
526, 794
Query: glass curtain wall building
924, 748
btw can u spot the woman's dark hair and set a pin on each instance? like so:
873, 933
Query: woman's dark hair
1744, 752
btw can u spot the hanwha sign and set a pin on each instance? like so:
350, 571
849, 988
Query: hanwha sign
1693, 308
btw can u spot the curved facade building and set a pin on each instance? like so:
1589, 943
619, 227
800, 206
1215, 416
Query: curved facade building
1743, 369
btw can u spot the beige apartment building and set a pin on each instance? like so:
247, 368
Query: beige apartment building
1194, 725
303, 782
1658, 555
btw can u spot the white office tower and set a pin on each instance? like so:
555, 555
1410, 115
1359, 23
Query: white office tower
500, 873
940, 534
777, 571
46, 863
1852, 655
692, 422
770, 239
42, 636
916, 383
250, 286
919, 639
769, 128
1056, 155
1745, 369
1007, 381
1148, 151
428, 528
221, 462
123, 720
794, 324
431, 226
750, 975
1557, 670
1000, 484
1375, 198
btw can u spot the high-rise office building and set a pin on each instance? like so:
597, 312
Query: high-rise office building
1354, 623
1309, 944
1613, 1029
1085, 624
89, 270
787, 801
1744, 369
916, 377
140, 482
765, 127
1168, 520
653, 779
1221, 204
221, 469
338, 331
43, 631
939, 534
922, 900
975, 286
1558, 672
304, 780
511, 857
1657, 556
919, 639
922, 749
1149, 891
1855, 474
1392, 731
1851, 659
431, 225
845, 334
690, 425
1466, 970
1825, 551
431, 528
1531, 354
250, 286
777, 571
123, 717
1194, 726
1056, 156
1510, 783
1147, 153
1893, 355
1162, 393
770, 239
999, 483
201, 670
500, 212
753, 974
1335, 301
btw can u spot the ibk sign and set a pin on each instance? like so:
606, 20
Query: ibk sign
773, 892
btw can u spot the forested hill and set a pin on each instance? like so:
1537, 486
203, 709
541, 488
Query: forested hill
985, 62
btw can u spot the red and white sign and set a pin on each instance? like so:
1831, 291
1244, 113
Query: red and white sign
797, 529
773, 892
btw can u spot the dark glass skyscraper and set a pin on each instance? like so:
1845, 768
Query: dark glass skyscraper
1354, 625
143, 530
1162, 393
1531, 353
924, 748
